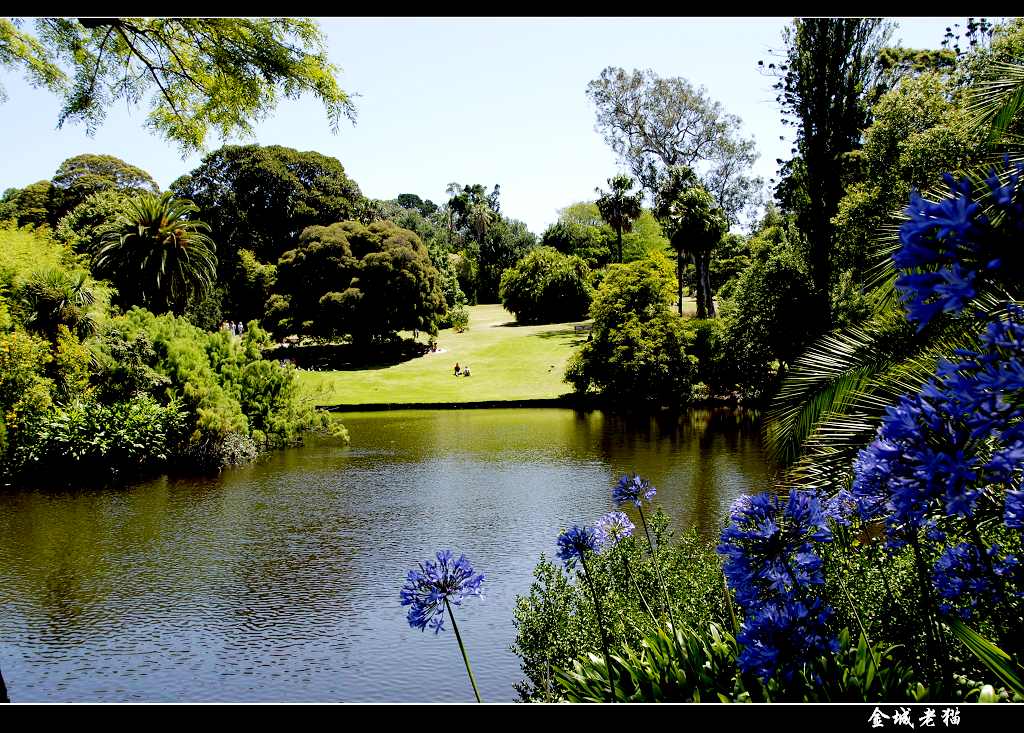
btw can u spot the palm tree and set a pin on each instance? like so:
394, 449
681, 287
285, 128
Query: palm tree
618, 207
694, 226
55, 297
158, 256
481, 216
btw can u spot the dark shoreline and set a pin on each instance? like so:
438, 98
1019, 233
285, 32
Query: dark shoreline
570, 401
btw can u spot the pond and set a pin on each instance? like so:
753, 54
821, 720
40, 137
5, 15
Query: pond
279, 581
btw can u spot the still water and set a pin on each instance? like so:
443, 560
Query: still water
279, 581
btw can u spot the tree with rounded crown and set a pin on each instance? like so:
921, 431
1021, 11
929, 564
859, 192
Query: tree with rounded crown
620, 208
83, 175
348, 279
157, 255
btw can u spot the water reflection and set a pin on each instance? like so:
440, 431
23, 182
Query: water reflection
279, 581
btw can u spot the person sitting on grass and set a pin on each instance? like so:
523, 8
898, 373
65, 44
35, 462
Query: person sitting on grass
457, 370
465, 370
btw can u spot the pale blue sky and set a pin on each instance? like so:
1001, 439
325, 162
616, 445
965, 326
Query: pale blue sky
469, 100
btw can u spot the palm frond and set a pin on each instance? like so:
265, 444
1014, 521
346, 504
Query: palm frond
995, 103
829, 449
824, 379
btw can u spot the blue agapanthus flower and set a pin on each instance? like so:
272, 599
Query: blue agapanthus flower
635, 489
780, 636
611, 528
769, 547
771, 565
964, 578
1013, 514
948, 247
574, 542
427, 589
938, 451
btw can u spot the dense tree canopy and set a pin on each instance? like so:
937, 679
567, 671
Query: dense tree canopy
822, 90
767, 316
367, 282
918, 133
412, 201
204, 73
260, 198
35, 204
592, 244
76, 179
83, 227
505, 243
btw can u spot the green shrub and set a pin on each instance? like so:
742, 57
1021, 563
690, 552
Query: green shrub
638, 350
225, 385
707, 344
771, 316
639, 362
707, 671
86, 437
26, 393
71, 365
458, 318
82, 228
547, 286
556, 621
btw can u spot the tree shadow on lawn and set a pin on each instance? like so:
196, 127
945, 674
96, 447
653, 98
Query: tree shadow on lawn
578, 337
350, 357
513, 324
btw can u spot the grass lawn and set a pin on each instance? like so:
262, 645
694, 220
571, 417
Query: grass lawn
508, 362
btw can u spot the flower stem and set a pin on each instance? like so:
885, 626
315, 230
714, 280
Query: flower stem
462, 648
625, 564
932, 622
657, 570
664, 591
600, 627
860, 623
728, 603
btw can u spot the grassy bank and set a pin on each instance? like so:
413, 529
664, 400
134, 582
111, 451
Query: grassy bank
508, 362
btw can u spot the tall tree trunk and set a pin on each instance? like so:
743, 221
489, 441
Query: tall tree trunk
705, 298
709, 293
619, 231
679, 279
698, 265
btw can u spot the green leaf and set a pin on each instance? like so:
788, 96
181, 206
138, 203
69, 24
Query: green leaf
994, 658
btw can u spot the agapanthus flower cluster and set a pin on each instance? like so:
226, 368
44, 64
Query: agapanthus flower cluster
950, 246
773, 569
635, 490
938, 452
427, 589
782, 635
611, 528
572, 543
963, 579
